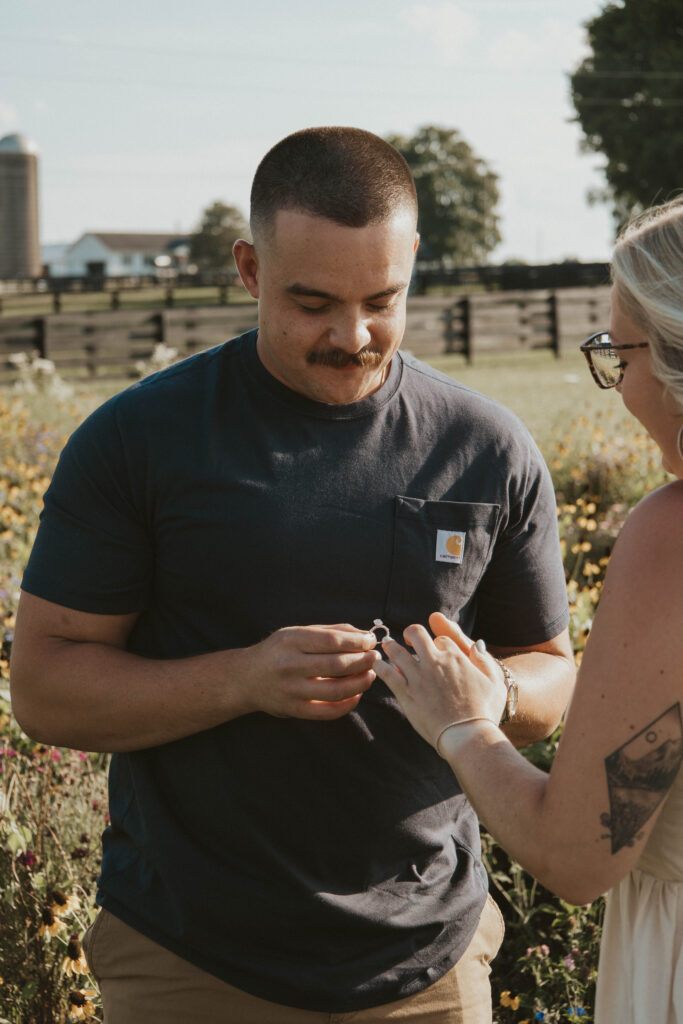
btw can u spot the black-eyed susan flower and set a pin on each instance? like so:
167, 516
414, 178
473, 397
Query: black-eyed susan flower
61, 904
50, 923
81, 1006
74, 962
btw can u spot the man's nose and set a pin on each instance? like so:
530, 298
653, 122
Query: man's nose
351, 333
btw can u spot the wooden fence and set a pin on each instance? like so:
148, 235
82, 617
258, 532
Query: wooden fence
89, 344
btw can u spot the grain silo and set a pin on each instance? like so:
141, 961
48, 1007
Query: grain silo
19, 238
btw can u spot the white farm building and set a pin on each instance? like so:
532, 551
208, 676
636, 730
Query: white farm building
104, 254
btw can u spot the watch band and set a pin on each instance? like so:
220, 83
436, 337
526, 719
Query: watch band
511, 699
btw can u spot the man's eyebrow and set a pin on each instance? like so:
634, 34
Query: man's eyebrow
305, 290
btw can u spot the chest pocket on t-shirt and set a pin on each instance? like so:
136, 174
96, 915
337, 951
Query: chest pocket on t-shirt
441, 549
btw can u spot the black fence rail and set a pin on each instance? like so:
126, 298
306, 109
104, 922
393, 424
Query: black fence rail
114, 341
512, 276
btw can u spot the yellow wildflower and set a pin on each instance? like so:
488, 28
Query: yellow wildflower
74, 962
50, 925
506, 999
81, 1006
61, 904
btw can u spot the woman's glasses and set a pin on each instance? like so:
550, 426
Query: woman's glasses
604, 358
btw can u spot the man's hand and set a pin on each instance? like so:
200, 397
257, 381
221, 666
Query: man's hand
316, 672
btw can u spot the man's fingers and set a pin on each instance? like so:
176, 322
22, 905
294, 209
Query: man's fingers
335, 690
334, 666
326, 711
328, 639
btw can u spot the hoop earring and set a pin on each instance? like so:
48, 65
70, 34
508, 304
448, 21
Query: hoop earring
679, 442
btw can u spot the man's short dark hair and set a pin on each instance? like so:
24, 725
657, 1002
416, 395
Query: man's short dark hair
347, 175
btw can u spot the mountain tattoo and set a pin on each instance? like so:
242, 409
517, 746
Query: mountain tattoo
639, 776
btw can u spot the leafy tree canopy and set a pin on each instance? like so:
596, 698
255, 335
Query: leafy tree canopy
628, 95
457, 195
211, 244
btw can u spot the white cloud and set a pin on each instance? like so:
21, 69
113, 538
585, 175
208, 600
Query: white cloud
449, 27
557, 44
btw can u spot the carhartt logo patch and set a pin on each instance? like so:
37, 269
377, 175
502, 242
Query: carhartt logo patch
450, 546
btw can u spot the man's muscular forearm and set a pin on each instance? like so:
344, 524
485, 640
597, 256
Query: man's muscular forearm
74, 684
545, 684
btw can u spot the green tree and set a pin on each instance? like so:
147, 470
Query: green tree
628, 95
211, 244
457, 195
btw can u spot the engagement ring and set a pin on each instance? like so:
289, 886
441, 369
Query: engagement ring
378, 624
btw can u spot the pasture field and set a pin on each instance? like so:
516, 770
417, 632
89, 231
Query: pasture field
53, 803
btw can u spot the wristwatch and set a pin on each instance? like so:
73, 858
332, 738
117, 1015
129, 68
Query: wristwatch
512, 695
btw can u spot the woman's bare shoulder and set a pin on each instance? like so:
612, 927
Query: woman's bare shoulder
661, 506
651, 540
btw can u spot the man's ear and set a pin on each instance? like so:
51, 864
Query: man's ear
246, 262
417, 242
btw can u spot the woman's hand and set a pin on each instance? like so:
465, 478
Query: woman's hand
447, 680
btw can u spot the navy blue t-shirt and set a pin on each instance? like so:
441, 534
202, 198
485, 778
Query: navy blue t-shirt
336, 865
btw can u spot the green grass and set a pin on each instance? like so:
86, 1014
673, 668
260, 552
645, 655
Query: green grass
543, 391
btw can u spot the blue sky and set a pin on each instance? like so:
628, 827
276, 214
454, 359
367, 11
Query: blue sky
145, 112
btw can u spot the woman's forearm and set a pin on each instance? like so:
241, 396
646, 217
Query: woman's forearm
510, 796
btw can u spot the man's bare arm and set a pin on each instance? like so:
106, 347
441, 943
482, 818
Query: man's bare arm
74, 684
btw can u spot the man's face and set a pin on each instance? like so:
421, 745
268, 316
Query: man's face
332, 301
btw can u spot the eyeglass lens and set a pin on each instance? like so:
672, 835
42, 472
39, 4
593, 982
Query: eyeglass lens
606, 362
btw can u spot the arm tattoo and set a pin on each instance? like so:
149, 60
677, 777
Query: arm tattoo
639, 776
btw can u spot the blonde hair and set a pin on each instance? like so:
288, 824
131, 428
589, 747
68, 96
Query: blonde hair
647, 273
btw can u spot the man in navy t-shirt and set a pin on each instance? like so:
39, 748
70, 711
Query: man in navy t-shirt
283, 847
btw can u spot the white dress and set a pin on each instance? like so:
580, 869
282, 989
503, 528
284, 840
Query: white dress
640, 974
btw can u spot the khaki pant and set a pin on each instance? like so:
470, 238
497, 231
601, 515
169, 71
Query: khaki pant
143, 983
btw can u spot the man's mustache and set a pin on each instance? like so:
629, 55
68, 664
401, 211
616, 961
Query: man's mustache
337, 358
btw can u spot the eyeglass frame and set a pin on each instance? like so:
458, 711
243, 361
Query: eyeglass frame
587, 347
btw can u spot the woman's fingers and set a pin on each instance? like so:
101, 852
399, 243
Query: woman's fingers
441, 626
445, 628
389, 673
419, 639
398, 656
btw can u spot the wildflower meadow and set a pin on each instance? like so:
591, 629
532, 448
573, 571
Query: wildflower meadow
53, 802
